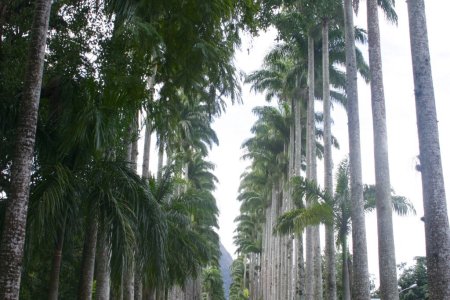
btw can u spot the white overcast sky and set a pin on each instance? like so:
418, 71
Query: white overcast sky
234, 127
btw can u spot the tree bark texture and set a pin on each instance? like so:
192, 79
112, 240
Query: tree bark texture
56, 266
437, 233
310, 170
13, 236
345, 271
300, 280
88, 260
386, 246
361, 286
103, 272
318, 286
331, 293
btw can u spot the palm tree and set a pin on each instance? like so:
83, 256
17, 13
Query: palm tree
386, 247
13, 233
343, 222
335, 210
437, 232
361, 273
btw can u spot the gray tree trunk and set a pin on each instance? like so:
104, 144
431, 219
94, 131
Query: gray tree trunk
331, 293
437, 233
272, 245
300, 280
318, 282
361, 288
310, 137
56, 266
13, 236
88, 260
137, 284
386, 246
129, 275
345, 271
103, 272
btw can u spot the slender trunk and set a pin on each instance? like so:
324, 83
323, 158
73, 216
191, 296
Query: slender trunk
272, 260
331, 293
137, 285
291, 264
103, 287
300, 287
318, 292
134, 143
310, 140
437, 233
386, 248
345, 271
128, 282
361, 286
147, 143
13, 236
56, 266
88, 260
244, 279
300, 280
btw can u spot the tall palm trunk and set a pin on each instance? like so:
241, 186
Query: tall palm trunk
56, 265
290, 257
318, 285
88, 260
103, 287
437, 233
310, 288
386, 247
361, 286
312, 175
272, 245
328, 161
299, 286
129, 279
13, 236
345, 270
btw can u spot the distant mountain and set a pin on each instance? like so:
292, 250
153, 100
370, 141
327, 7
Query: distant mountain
225, 264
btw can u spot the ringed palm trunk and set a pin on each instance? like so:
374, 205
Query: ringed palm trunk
386, 247
437, 233
328, 161
361, 286
13, 236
